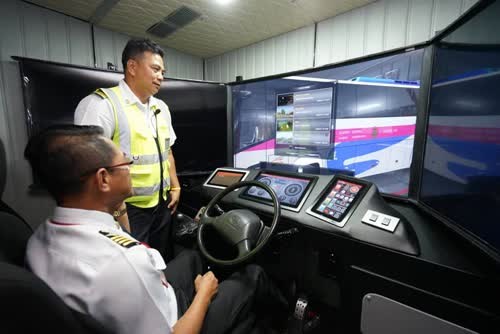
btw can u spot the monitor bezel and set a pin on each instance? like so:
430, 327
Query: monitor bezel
225, 169
305, 195
317, 202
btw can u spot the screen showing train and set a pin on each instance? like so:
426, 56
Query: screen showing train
336, 202
290, 190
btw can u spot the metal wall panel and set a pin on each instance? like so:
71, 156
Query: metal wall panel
374, 29
384, 25
58, 41
104, 48
379, 26
395, 23
419, 21
34, 29
80, 42
284, 53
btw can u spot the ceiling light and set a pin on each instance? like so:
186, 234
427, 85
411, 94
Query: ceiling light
308, 79
223, 2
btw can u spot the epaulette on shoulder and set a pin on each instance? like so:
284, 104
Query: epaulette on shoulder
100, 93
121, 240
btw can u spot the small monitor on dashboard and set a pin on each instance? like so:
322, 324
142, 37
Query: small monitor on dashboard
222, 178
338, 200
291, 189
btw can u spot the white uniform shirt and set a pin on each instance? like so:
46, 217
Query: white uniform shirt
94, 110
123, 288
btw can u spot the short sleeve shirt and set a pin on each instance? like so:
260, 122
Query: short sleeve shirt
99, 269
94, 110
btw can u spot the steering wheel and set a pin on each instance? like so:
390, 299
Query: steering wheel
241, 228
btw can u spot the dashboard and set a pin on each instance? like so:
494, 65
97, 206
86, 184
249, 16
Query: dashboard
336, 204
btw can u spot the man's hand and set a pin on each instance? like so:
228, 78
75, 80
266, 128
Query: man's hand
206, 285
192, 321
174, 200
197, 282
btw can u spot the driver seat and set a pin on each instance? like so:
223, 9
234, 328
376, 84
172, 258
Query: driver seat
28, 304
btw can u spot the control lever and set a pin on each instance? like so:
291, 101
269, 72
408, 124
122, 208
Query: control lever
218, 209
287, 233
199, 213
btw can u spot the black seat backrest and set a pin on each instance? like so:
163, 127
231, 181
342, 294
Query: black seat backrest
28, 304
14, 235
3, 168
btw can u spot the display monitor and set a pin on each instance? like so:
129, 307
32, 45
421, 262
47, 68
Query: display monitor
338, 200
224, 177
461, 174
358, 118
303, 123
194, 107
291, 190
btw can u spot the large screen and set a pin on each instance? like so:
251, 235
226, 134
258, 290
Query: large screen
290, 190
461, 176
194, 106
358, 118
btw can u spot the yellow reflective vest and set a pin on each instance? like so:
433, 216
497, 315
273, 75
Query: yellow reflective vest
133, 136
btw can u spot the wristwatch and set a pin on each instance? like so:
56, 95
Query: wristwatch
119, 213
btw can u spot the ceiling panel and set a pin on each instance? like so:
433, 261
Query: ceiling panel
221, 28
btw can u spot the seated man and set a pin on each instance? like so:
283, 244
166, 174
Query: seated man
98, 269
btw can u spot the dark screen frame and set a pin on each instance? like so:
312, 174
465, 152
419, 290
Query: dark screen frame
342, 220
52, 90
208, 183
305, 194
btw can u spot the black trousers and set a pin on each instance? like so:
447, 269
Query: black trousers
153, 226
240, 299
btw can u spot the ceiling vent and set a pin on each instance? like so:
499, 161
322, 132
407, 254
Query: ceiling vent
176, 20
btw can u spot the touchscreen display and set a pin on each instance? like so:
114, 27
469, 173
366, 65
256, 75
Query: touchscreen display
335, 205
226, 178
289, 190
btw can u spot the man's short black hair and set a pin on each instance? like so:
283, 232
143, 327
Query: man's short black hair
61, 154
136, 47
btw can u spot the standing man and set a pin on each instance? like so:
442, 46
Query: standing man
140, 125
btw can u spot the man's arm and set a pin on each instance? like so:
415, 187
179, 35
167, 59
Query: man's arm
122, 217
94, 110
175, 187
192, 321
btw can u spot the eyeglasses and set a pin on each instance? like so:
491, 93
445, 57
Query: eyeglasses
127, 163
123, 165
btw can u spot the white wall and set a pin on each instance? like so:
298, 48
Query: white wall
30, 31
380, 26
284, 53
109, 46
